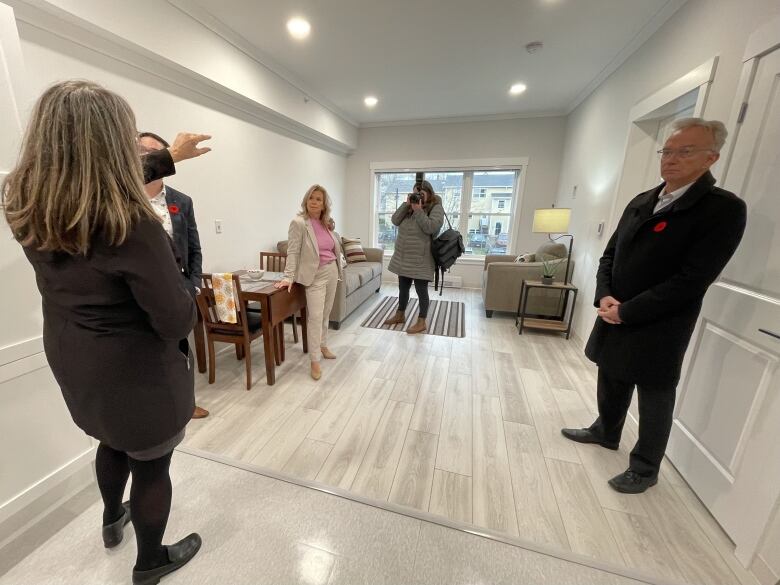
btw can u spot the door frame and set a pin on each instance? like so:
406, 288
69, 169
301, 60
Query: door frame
662, 103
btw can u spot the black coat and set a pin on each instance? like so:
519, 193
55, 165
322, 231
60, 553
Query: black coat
659, 266
114, 329
185, 236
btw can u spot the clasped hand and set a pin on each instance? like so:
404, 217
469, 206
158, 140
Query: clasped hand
608, 310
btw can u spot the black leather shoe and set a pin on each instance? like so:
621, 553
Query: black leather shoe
630, 482
179, 554
586, 436
114, 532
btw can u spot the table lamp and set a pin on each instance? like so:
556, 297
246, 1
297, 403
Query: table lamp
554, 220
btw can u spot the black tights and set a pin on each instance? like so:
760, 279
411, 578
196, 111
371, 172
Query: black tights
150, 499
421, 286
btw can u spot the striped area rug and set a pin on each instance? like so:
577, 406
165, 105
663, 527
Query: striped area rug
445, 318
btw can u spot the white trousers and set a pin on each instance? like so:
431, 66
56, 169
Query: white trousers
319, 301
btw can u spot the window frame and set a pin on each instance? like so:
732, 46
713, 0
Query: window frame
519, 165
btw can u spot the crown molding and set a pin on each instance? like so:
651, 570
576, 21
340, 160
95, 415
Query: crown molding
463, 119
648, 30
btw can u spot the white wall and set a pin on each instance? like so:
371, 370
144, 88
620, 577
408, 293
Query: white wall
596, 131
538, 139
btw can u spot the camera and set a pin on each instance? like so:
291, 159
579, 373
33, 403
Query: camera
414, 198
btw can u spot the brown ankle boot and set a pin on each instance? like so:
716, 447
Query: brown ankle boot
420, 327
398, 319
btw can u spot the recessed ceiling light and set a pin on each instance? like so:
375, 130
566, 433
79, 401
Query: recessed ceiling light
299, 28
517, 88
370, 101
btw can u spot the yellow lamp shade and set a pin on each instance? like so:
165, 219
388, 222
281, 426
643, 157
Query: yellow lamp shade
554, 220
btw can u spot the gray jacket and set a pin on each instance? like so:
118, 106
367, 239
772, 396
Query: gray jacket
412, 257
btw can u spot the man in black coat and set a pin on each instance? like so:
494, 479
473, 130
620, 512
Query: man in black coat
176, 212
671, 243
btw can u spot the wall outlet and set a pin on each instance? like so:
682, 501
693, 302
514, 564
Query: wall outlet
574, 192
218, 226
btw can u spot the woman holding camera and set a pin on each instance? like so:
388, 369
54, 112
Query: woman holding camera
419, 219
116, 314
313, 254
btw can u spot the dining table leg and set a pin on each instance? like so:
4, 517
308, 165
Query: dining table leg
268, 343
277, 346
282, 348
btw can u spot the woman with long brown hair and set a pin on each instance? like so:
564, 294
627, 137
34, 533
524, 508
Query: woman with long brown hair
313, 260
115, 311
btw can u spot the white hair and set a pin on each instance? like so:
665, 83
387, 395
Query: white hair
716, 128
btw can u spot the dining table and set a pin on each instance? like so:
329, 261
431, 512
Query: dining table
276, 306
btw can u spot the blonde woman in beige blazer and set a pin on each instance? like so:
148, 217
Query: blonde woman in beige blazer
314, 261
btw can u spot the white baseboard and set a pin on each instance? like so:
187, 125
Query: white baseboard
27, 507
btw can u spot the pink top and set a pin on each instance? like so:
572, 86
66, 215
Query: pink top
325, 242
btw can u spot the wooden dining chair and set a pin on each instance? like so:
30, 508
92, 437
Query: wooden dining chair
277, 262
247, 328
273, 261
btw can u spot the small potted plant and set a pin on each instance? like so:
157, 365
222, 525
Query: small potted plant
549, 268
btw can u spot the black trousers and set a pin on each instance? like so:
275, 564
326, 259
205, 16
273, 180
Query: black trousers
421, 286
656, 407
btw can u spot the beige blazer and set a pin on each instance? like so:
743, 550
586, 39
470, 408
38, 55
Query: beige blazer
303, 253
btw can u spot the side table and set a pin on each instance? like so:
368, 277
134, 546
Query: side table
561, 325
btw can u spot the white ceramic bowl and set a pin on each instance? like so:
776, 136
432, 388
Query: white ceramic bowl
255, 273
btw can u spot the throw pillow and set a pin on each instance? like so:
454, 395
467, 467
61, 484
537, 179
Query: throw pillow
353, 250
525, 258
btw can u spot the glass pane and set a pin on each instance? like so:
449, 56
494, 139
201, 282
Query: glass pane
491, 207
392, 189
488, 233
448, 186
386, 233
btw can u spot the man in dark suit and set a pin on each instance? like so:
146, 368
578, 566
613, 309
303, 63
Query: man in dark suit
178, 217
671, 243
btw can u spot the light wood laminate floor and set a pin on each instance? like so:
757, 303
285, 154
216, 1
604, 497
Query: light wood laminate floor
468, 429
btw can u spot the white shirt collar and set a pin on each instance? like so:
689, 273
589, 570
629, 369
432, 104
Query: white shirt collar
666, 199
675, 194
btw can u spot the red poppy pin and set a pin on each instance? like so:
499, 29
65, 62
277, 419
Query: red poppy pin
174, 209
659, 227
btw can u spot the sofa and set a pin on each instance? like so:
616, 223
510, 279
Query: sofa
361, 281
502, 278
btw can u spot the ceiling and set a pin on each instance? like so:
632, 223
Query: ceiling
429, 59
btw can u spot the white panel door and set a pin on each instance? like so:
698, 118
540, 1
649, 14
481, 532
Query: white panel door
726, 436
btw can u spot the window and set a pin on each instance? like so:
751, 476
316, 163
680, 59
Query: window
392, 189
479, 204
